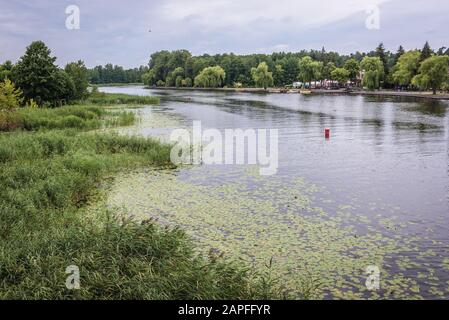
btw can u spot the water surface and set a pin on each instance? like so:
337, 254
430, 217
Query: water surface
375, 193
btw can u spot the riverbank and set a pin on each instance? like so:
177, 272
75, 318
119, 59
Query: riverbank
381, 93
53, 166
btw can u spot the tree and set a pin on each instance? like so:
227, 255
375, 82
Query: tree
178, 82
373, 72
353, 67
290, 66
210, 77
10, 97
380, 52
37, 75
278, 76
188, 82
5, 70
65, 90
261, 76
178, 72
426, 52
406, 68
328, 69
78, 72
169, 80
341, 75
441, 51
309, 69
399, 53
433, 73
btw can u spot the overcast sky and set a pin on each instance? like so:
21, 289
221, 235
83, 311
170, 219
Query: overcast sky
119, 31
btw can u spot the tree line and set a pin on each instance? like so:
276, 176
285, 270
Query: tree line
375, 69
36, 80
116, 74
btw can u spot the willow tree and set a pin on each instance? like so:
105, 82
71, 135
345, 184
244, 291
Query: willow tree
261, 76
210, 77
373, 69
309, 70
406, 68
433, 73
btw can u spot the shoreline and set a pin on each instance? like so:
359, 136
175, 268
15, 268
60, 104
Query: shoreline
380, 93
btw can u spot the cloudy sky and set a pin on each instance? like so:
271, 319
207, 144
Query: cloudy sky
119, 31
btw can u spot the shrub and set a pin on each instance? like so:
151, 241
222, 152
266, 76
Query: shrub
10, 97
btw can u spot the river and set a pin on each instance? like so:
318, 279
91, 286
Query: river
375, 194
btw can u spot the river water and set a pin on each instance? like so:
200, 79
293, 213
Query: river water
375, 194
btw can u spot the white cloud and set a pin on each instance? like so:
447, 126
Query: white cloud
230, 13
116, 31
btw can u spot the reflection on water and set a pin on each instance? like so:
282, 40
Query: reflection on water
387, 158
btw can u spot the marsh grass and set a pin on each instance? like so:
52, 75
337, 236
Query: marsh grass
101, 98
81, 117
48, 177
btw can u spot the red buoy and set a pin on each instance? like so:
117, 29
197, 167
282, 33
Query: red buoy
327, 133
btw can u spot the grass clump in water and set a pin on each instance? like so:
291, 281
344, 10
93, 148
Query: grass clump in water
31, 119
81, 117
101, 98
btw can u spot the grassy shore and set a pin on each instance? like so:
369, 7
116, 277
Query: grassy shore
51, 168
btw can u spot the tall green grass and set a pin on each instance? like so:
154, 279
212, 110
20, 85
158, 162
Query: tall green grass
46, 180
101, 98
82, 117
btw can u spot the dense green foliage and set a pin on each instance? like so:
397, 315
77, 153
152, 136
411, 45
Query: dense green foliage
406, 68
261, 76
353, 67
10, 96
109, 74
426, 52
309, 69
78, 72
40, 79
433, 73
374, 72
210, 77
5, 70
178, 68
42, 82
341, 75
284, 66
